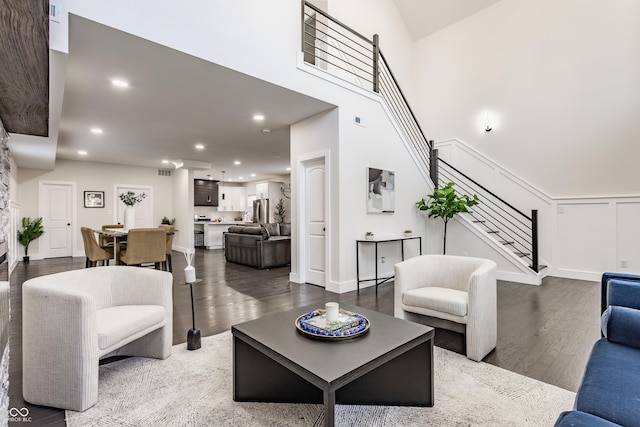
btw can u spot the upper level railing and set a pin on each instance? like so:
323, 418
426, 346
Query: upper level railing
335, 47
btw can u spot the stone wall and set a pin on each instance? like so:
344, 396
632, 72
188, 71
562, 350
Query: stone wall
5, 169
5, 177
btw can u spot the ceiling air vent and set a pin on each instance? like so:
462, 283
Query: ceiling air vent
164, 172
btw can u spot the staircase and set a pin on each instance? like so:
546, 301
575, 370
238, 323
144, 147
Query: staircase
336, 48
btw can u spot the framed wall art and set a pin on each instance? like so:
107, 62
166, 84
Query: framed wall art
381, 188
94, 199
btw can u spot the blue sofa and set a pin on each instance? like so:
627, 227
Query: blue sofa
609, 393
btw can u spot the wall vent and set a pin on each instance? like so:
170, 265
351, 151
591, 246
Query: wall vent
164, 172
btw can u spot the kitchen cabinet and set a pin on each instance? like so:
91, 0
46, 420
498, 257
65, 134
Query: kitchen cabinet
269, 190
235, 199
205, 192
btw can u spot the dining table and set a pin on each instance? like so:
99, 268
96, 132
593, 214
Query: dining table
115, 234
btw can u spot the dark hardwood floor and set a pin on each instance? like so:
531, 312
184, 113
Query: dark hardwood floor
544, 332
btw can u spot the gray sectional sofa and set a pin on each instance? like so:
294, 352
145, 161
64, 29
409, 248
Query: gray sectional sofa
265, 246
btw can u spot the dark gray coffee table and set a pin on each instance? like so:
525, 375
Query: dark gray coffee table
391, 365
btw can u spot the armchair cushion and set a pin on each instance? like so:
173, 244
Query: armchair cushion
609, 387
622, 325
444, 300
581, 419
285, 229
119, 325
273, 228
624, 293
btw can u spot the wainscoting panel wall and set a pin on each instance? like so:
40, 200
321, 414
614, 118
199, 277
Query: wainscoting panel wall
628, 236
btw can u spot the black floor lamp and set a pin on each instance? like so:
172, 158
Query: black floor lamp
193, 336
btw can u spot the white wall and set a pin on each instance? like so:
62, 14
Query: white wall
351, 149
311, 138
90, 176
182, 209
369, 17
560, 80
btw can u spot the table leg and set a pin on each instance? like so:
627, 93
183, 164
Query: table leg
115, 250
358, 264
376, 263
329, 408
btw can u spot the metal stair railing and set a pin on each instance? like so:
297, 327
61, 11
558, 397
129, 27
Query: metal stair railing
333, 46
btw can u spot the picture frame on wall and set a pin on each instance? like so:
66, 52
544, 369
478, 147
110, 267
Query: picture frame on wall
381, 188
94, 199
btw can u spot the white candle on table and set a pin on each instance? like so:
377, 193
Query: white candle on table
332, 309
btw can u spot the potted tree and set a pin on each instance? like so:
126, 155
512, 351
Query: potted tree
445, 203
281, 213
31, 230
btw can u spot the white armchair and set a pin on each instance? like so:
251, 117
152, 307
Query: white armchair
451, 292
72, 319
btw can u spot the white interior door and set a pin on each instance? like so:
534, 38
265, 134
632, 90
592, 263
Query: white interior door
56, 209
144, 209
314, 217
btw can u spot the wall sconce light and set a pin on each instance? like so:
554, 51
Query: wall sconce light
487, 123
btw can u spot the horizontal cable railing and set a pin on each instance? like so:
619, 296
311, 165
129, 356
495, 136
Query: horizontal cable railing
510, 226
397, 102
333, 46
336, 48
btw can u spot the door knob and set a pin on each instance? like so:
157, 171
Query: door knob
68, 224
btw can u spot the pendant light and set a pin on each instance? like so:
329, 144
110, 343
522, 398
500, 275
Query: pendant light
223, 172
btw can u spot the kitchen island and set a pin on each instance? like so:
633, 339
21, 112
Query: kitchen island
214, 231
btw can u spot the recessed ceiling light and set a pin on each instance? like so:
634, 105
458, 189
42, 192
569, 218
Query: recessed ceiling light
165, 161
230, 179
253, 175
288, 168
119, 83
241, 177
258, 117
199, 146
96, 130
82, 153
237, 162
266, 130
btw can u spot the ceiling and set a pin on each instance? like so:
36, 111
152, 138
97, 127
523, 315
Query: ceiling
425, 17
174, 100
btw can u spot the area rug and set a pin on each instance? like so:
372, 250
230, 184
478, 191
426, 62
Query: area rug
194, 388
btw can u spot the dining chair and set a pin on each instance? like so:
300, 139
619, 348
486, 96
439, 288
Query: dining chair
170, 231
106, 240
145, 246
94, 253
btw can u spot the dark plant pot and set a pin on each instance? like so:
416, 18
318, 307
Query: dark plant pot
25, 259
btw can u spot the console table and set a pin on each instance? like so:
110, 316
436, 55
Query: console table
376, 242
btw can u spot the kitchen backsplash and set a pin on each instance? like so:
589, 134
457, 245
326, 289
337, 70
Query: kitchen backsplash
212, 213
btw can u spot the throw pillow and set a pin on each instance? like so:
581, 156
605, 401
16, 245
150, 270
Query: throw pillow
285, 229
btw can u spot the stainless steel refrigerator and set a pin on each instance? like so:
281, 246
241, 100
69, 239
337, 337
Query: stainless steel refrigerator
261, 211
